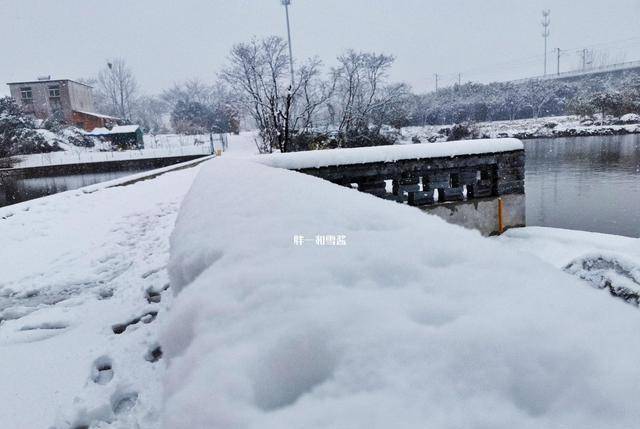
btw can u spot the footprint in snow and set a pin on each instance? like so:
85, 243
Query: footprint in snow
123, 402
102, 370
148, 317
154, 354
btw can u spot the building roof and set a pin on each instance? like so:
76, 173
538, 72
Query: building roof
48, 81
120, 129
97, 115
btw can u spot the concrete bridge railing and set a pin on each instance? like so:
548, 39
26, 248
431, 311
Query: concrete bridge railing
426, 175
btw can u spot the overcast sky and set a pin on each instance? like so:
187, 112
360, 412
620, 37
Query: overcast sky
167, 41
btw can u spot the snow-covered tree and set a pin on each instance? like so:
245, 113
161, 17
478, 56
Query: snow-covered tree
611, 102
18, 134
148, 112
200, 108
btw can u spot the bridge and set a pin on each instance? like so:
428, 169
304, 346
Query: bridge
476, 183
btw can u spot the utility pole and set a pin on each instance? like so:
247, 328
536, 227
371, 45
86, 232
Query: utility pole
459, 79
436, 75
286, 4
558, 69
546, 20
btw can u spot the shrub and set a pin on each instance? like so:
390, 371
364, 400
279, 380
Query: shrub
463, 131
18, 134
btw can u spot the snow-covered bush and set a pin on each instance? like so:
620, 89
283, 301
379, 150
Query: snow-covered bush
630, 118
18, 133
464, 131
76, 137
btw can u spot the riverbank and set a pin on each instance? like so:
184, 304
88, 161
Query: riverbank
524, 129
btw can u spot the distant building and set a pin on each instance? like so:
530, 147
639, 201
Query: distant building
122, 137
71, 100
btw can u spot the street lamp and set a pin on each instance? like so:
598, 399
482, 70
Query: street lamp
286, 4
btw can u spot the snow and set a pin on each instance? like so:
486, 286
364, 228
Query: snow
546, 127
630, 118
98, 115
413, 323
323, 158
156, 146
74, 265
559, 247
120, 129
605, 261
84, 156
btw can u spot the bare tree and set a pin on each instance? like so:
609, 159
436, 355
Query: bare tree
192, 90
259, 75
359, 81
312, 93
119, 87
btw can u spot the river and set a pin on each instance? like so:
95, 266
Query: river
19, 190
584, 183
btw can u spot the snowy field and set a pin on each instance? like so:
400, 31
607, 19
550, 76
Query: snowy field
312, 307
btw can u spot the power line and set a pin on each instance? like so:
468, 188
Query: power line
530, 60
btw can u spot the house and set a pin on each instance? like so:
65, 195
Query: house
69, 100
122, 137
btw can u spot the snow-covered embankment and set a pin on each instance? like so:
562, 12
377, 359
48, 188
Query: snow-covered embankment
413, 323
82, 294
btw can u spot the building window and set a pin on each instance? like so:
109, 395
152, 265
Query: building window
26, 94
54, 91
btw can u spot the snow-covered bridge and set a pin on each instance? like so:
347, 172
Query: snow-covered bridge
428, 176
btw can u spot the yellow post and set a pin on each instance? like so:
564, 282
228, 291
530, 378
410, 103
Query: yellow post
218, 152
500, 218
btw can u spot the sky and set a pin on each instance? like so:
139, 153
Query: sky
169, 41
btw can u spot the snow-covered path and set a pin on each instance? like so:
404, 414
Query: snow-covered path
81, 299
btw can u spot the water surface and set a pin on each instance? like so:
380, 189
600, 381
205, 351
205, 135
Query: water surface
14, 191
584, 183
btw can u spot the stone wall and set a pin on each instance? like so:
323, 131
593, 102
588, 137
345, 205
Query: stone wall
463, 189
450, 178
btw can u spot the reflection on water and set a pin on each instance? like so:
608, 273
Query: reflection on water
17, 190
585, 183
